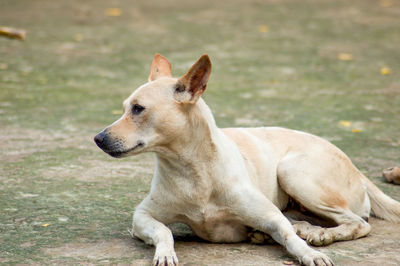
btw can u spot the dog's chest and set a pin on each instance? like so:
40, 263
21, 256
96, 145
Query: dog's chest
216, 224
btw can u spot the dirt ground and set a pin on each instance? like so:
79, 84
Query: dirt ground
381, 247
331, 68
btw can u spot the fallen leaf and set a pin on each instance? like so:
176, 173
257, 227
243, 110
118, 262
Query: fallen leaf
356, 130
385, 71
117, 112
12, 33
3, 66
345, 57
113, 12
78, 37
45, 225
386, 3
263, 28
345, 123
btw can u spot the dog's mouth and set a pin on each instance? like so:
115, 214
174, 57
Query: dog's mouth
123, 153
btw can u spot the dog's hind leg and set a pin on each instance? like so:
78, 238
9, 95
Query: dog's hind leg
259, 213
347, 229
323, 193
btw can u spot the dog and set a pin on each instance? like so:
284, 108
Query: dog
224, 183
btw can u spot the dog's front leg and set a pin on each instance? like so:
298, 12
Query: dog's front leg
261, 214
153, 232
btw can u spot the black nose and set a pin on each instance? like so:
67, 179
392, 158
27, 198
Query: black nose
99, 138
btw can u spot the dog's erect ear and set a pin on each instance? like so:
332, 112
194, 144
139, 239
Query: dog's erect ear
159, 68
192, 85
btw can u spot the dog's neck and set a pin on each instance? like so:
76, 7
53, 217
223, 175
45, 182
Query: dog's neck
196, 143
193, 164
195, 151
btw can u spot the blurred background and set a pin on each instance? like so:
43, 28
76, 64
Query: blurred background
331, 68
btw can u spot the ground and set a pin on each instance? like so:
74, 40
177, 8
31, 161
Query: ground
331, 68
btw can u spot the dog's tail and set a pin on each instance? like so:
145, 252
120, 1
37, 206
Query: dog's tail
382, 205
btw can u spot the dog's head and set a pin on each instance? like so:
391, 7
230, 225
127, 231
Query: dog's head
156, 112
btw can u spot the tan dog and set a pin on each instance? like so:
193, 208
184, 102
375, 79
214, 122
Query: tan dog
222, 182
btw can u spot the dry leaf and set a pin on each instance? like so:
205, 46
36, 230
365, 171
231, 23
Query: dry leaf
356, 130
345, 123
113, 12
45, 225
345, 57
12, 33
385, 71
263, 28
78, 37
386, 3
3, 66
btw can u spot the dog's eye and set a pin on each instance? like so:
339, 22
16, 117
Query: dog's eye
137, 109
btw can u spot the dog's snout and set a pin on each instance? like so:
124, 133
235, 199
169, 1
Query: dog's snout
99, 138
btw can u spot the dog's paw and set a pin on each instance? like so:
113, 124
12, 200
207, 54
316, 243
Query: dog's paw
257, 237
320, 237
316, 258
164, 259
